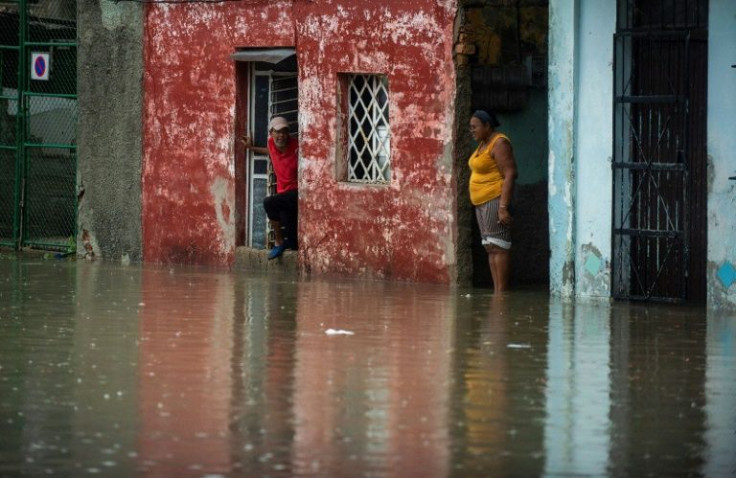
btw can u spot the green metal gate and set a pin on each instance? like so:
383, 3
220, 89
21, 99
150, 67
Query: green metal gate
38, 118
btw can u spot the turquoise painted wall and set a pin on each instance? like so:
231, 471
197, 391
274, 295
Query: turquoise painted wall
528, 132
561, 165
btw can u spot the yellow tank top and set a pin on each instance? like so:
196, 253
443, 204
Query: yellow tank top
485, 178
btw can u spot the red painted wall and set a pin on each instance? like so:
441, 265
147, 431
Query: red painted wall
406, 230
189, 117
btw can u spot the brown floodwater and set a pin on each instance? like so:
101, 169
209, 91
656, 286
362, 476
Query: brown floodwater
146, 371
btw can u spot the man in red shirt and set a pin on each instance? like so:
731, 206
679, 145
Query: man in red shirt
282, 207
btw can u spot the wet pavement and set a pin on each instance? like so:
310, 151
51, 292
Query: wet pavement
188, 372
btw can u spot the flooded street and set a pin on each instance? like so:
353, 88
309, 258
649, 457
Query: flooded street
188, 372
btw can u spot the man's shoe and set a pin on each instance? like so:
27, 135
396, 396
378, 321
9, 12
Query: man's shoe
276, 251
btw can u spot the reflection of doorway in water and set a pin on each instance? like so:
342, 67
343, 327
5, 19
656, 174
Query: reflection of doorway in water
266, 90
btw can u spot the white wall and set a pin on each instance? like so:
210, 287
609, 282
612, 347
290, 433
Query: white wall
722, 154
561, 202
594, 147
580, 142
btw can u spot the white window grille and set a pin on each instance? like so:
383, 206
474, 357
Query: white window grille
369, 158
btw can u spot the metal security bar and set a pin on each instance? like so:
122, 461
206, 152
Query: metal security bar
283, 101
38, 116
654, 157
369, 140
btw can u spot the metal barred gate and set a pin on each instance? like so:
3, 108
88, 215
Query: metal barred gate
659, 161
38, 118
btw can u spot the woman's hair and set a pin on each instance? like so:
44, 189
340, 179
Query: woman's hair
487, 118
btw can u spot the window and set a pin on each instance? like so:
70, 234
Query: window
368, 133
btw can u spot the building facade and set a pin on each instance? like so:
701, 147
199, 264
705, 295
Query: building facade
361, 72
621, 132
379, 95
641, 204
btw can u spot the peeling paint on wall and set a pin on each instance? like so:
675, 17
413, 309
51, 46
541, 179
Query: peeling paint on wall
580, 102
593, 264
376, 225
188, 155
726, 274
405, 230
593, 142
89, 245
721, 279
721, 147
562, 62
594, 278
222, 198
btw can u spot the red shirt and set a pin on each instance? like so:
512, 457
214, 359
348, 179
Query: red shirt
285, 165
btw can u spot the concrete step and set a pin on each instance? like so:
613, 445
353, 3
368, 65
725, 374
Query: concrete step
249, 259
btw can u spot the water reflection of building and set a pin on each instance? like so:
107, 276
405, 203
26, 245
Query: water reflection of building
627, 392
376, 401
576, 435
123, 371
658, 364
37, 333
720, 393
185, 353
249, 381
216, 373
106, 374
262, 369
499, 395
484, 394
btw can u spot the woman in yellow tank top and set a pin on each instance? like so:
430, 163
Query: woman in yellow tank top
492, 176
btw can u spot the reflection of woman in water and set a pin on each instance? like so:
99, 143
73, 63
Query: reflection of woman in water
492, 176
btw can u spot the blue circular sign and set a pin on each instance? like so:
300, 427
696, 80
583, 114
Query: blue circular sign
39, 66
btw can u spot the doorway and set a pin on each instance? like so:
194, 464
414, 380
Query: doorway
659, 161
502, 68
270, 89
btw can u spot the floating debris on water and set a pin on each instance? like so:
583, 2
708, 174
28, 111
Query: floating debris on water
519, 346
339, 332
